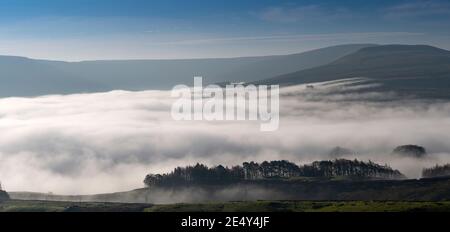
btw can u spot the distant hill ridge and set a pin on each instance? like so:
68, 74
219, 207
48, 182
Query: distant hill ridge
415, 69
28, 77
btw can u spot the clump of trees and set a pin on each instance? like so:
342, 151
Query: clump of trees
201, 174
198, 173
414, 151
436, 171
343, 167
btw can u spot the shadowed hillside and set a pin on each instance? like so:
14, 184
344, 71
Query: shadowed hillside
415, 69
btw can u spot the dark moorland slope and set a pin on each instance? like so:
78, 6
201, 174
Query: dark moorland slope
416, 69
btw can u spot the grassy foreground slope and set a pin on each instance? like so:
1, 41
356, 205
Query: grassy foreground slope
306, 206
254, 206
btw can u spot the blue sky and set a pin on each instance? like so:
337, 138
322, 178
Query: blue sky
138, 29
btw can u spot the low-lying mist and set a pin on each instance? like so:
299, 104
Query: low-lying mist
108, 142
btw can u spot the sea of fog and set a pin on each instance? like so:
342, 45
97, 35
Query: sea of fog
108, 142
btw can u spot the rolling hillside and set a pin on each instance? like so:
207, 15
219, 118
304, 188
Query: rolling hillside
27, 77
415, 69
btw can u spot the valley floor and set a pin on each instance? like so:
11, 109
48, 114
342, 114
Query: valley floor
244, 206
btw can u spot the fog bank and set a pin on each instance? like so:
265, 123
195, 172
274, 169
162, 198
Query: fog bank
108, 142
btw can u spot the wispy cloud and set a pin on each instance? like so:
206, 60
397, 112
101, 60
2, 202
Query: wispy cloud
418, 9
294, 37
292, 14
150, 46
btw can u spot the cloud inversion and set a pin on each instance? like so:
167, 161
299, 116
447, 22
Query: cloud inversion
106, 142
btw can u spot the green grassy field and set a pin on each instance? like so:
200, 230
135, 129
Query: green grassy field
256, 206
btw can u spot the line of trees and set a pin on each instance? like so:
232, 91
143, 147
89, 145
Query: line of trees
436, 171
201, 174
198, 173
342, 167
